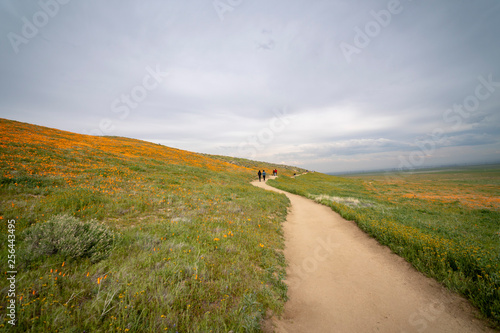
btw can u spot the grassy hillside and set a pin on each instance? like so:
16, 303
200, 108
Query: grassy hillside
285, 170
447, 224
119, 235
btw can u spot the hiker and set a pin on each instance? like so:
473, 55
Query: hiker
276, 172
264, 174
260, 175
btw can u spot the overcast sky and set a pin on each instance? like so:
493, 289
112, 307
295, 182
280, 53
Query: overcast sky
329, 85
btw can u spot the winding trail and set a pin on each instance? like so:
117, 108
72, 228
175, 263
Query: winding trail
342, 280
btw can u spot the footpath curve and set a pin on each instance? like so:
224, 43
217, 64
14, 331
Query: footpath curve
341, 280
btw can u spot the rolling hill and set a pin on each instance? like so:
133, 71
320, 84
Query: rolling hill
117, 234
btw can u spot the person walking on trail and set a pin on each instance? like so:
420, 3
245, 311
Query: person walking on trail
260, 175
264, 174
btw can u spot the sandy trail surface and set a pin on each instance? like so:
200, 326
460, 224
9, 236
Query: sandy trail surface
342, 280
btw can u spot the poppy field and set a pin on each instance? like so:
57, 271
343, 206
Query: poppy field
121, 235
446, 223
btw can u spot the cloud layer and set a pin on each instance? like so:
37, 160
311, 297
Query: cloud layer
327, 85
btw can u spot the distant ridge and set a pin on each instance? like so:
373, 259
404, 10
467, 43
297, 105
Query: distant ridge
417, 169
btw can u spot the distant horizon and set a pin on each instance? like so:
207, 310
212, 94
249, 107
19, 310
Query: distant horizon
341, 172
422, 168
329, 85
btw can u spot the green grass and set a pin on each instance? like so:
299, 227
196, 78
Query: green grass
196, 248
446, 224
282, 169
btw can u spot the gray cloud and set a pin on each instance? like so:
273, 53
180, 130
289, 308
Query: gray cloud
225, 77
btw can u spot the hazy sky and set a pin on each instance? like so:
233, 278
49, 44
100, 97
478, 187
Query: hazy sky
329, 85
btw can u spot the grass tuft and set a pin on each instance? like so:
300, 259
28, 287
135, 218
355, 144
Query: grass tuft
69, 238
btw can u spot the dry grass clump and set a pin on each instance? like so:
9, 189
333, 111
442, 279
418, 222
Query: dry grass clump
69, 237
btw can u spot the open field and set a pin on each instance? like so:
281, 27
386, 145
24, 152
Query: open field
151, 238
121, 235
445, 223
474, 187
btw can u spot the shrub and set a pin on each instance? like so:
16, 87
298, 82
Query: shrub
69, 237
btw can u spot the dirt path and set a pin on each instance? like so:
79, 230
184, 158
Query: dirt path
341, 280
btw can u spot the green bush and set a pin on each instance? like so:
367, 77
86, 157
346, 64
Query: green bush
69, 237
